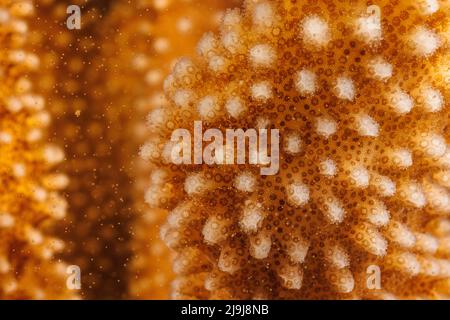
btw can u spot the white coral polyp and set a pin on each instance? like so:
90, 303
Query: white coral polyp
315, 30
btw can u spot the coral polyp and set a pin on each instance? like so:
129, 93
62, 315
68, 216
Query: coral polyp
360, 95
30, 199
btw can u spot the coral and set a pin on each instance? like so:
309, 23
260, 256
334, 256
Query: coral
360, 96
142, 41
30, 199
95, 229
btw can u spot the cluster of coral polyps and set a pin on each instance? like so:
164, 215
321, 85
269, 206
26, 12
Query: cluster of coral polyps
30, 203
360, 95
142, 41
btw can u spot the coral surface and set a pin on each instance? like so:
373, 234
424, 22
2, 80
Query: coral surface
30, 201
359, 93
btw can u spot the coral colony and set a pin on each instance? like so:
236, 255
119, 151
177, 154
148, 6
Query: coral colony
359, 94
289, 149
30, 201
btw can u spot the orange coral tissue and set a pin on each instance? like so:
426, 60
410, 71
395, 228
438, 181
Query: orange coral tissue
360, 95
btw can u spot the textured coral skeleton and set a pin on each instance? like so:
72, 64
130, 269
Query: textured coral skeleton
360, 94
30, 200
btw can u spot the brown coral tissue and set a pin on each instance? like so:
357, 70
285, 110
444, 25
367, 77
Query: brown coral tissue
225, 149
